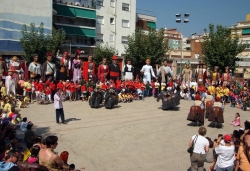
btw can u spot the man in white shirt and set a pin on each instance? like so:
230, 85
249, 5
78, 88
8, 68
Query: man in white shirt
58, 98
226, 156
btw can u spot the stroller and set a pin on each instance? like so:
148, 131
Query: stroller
139, 94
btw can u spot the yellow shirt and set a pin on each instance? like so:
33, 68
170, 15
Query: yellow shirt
21, 103
211, 89
226, 91
27, 85
3, 91
7, 107
26, 99
26, 155
244, 164
120, 97
217, 90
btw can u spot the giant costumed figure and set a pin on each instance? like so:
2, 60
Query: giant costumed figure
76, 66
48, 68
128, 70
226, 78
215, 76
2, 67
147, 71
35, 68
186, 75
163, 73
65, 65
10, 82
114, 69
89, 69
201, 74
103, 70
15, 66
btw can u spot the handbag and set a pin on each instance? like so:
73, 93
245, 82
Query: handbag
191, 149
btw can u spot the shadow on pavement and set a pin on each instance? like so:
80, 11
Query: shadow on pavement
189, 169
195, 124
72, 119
215, 125
44, 131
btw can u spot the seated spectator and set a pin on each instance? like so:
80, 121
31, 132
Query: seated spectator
34, 155
10, 161
27, 152
49, 159
29, 135
236, 121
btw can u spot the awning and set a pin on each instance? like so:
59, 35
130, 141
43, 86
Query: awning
69, 11
151, 24
64, 10
78, 31
246, 31
85, 13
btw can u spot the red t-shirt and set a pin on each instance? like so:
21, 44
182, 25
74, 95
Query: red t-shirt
60, 86
137, 85
170, 84
91, 89
40, 87
72, 87
52, 86
67, 86
83, 88
113, 85
47, 91
143, 86
36, 86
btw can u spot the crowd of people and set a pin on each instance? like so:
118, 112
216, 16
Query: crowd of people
229, 152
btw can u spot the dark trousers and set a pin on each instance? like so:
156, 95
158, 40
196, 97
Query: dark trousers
59, 113
156, 92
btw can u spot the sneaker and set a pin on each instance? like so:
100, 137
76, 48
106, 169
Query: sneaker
64, 122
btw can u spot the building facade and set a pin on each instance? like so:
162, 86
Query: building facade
14, 15
115, 21
78, 19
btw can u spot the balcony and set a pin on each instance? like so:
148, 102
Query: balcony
74, 11
78, 31
74, 21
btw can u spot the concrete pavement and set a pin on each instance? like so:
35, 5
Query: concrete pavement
134, 136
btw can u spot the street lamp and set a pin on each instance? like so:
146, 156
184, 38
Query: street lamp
182, 20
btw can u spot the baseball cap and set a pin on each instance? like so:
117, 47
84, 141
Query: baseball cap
227, 138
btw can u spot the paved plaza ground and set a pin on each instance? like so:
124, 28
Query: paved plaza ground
135, 136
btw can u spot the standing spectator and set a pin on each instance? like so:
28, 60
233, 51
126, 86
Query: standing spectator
201, 146
10, 163
243, 156
59, 106
225, 159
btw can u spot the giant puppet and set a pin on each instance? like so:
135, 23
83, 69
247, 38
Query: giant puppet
186, 75
114, 69
226, 78
48, 68
65, 65
215, 76
89, 69
201, 74
103, 70
16, 66
128, 70
35, 68
147, 71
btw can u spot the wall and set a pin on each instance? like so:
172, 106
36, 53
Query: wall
14, 14
116, 29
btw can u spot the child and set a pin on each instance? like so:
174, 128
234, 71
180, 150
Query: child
27, 100
42, 99
163, 86
22, 104
236, 121
3, 90
148, 87
48, 93
34, 155
157, 85
84, 92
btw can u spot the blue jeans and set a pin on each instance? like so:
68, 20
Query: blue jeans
229, 168
59, 113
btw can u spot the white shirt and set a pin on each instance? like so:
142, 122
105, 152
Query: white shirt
195, 85
58, 101
226, 156
199, 144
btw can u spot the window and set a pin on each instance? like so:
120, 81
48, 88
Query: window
99, 20
125, 23
124, 39
125, 7
99, 3
248, 44
112, 3
188, 42
112, 38
99, 37
112, 21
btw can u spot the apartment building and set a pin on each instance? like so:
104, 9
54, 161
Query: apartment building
78, 19
115, 21
242, 29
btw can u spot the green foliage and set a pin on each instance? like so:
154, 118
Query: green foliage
104, 51
34, 40
220, 48
141, 46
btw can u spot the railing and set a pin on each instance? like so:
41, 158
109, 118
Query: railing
80, 3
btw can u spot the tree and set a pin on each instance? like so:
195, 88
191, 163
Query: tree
142, 45
104, 51
220, 48
33, 41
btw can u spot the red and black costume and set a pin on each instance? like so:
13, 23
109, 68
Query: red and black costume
114, 70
